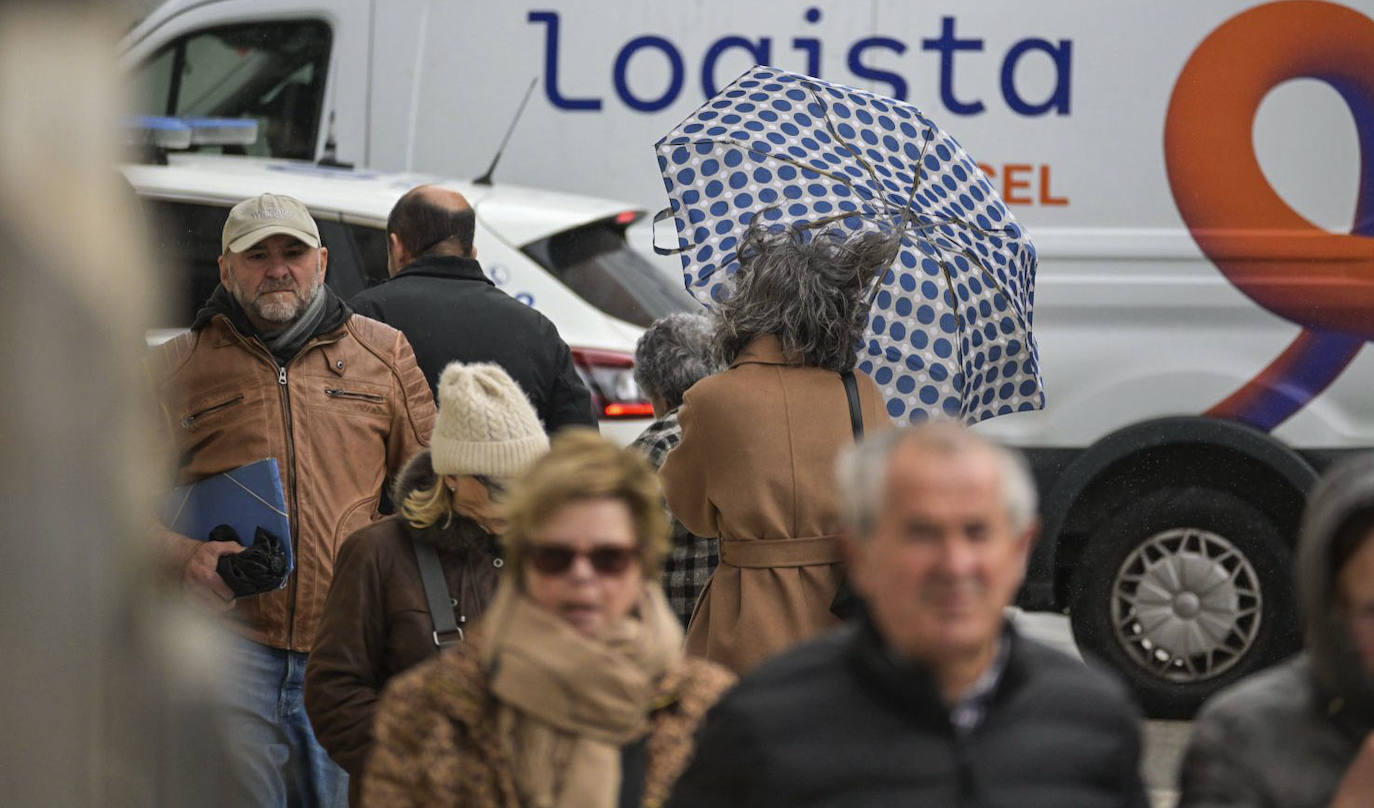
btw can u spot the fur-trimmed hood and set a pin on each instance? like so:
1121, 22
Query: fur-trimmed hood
459, 534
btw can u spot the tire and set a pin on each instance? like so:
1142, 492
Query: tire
1182, 593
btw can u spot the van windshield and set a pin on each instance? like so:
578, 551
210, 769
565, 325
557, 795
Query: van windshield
272, 72
596, 262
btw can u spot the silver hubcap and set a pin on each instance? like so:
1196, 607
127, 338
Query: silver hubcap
1186, 604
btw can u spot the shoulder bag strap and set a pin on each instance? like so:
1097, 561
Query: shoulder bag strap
856, 416
446, 630
845, 604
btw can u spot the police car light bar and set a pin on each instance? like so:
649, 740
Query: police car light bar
173, 134
156, 132
223, 131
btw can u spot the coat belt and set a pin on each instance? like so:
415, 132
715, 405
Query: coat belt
757, 553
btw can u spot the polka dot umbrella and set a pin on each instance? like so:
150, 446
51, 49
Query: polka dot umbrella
949, 329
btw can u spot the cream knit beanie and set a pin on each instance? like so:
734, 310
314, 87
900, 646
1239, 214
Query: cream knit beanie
485, 423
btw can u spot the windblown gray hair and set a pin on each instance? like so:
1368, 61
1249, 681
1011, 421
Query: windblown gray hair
861, 472
673, 354
811, 294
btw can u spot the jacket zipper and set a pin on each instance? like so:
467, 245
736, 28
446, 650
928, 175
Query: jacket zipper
334, 392
295, 504
190, 420
262, 351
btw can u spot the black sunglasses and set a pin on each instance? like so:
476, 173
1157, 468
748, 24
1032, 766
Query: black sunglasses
556, 559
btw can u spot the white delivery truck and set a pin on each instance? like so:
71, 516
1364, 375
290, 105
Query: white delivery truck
1198, 178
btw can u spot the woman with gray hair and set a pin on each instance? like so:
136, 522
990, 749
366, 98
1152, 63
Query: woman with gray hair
759, 440
673, 354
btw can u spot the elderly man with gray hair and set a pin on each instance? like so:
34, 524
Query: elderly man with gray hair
673, 354
931, 697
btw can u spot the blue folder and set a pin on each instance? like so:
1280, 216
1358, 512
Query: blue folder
246, 498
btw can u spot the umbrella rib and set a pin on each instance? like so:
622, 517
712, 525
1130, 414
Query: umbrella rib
992, 281
830, 127
988, 276
978, 262
958, 321
915, 184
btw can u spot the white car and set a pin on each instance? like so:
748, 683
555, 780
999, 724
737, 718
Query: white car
564, 255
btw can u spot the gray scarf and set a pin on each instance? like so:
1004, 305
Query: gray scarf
286, 343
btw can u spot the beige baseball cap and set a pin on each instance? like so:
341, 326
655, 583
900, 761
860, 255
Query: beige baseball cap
253, 220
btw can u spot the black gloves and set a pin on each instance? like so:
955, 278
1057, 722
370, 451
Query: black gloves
260, 568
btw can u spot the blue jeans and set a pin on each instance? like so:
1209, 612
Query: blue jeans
279, 762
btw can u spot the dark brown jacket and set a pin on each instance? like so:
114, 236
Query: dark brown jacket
377, 623
756, 468
438, 745
342, 415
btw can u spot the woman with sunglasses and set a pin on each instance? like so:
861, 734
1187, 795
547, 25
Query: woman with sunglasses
572, 690
377, 618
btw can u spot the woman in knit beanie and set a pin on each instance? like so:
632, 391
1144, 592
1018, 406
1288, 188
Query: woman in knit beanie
377, 620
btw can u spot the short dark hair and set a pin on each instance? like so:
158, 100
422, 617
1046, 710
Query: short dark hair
422, 225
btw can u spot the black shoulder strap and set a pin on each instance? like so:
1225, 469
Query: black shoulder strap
446, 630
856, 416
846, 604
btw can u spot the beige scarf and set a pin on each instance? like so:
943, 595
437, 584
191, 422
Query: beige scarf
568, 703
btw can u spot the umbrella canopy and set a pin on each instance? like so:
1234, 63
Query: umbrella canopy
949, 330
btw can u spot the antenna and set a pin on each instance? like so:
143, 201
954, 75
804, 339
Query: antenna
330, 158
485, 179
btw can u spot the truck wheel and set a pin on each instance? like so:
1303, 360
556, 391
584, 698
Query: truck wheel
1183, 592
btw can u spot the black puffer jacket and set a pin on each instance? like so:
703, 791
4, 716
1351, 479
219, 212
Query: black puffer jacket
837, 722
451, 312
376, 620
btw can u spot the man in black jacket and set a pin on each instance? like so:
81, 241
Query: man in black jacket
931, 698
450, 311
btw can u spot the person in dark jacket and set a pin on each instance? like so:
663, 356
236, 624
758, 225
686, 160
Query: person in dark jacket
930, 698
377, 620
440, 298
1301, 734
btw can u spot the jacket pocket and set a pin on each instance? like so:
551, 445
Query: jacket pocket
353, 395
190, 421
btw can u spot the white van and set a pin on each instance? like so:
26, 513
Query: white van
1178, 164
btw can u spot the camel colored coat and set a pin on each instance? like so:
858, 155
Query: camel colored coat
756, 468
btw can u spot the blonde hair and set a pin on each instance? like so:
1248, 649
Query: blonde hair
583, 465
424, 507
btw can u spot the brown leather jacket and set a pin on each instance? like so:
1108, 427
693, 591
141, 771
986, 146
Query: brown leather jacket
340, 417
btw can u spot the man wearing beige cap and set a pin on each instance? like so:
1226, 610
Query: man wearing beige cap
276, 365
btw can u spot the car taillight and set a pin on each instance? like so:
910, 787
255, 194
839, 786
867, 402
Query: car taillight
609, 375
